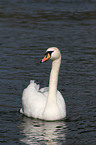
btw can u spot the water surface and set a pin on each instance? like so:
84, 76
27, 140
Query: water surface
27, 29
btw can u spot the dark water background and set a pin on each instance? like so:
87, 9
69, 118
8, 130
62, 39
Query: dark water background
27, 29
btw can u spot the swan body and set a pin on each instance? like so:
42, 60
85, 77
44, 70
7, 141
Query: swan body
45, 103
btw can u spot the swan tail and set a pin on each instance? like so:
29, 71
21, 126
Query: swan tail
33, 84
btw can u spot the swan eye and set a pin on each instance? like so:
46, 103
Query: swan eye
50, 52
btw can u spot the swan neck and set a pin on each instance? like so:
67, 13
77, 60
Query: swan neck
53, 81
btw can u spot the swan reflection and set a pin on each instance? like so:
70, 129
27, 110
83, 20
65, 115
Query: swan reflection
42, 132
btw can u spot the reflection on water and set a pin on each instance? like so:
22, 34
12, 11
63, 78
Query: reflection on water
38, 131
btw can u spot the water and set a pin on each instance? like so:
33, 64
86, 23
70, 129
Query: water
27, 29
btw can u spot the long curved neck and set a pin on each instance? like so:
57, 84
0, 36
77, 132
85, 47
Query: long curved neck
53, 81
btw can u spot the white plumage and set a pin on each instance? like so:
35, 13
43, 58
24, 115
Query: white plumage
45, 103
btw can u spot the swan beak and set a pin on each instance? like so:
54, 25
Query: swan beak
46, 57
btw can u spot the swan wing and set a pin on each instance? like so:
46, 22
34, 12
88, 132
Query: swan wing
44, 91
33, 101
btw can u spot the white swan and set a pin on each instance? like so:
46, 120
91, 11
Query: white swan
46, 103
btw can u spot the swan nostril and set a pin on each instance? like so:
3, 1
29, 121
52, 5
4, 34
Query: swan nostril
46, 55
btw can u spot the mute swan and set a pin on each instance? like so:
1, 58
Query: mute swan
46, 103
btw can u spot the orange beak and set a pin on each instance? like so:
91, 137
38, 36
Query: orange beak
46, 57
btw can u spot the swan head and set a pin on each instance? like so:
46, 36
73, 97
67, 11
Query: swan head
52, 53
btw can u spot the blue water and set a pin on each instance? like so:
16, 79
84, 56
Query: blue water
27, 29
